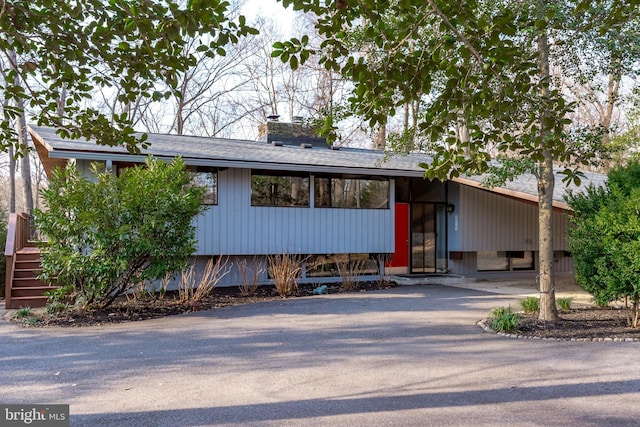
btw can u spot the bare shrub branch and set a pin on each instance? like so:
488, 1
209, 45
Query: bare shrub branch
285, 270
249, 274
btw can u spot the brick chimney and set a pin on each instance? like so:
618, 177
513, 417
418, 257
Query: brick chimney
296, 133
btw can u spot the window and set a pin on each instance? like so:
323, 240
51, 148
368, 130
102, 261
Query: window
207, 178
275, 189
505, 260
338, 264
351, 192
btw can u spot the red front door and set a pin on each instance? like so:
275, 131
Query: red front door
400, 257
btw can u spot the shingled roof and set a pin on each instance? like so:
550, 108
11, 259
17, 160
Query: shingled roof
233, 153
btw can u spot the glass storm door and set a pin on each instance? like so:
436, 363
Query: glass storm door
428, 238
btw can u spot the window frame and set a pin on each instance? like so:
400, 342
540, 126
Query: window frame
209, 189
329, 190
277, 200
508, 257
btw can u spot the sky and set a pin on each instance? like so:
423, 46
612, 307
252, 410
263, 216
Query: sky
269, 8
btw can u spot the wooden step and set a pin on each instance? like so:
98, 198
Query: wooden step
31, 291
26, 273
28, 265
28, 256
33, 302
28, 282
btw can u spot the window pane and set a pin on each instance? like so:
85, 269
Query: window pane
279, 190
344, 192
492, 261
209, 181
322, 192
206, 178
374, 194
522, 260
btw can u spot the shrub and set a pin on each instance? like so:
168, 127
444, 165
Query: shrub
605, 238
564, 303
349, 267
196, 286
530, 304
106, 235
503, 319
285, 269
249, 275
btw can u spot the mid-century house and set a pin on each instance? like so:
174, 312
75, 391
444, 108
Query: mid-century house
290, 192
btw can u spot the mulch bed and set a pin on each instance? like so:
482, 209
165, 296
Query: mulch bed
590, 323
128, 309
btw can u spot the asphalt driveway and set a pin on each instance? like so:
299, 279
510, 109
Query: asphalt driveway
404, 356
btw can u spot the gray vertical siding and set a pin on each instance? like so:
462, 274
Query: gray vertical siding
234, 227
490, 222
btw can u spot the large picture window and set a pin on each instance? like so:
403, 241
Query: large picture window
351, 192
276, 189
206, 178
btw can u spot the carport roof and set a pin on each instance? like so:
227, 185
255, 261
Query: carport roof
233, 153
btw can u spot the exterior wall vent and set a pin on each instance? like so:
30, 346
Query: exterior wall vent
277, 143
306, 145
273, 118
297, 120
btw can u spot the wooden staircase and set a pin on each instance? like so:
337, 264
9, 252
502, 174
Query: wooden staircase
22, 287
26, 289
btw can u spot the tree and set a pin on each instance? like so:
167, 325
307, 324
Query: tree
483, 64
60, 51
605, 238
102, 237
3, 238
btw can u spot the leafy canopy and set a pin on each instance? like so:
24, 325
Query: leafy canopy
105, 236
55, 53
475, 64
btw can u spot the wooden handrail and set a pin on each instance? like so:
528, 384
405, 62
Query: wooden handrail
18, 233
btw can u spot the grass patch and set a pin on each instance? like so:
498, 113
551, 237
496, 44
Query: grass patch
563, 304
530, 305
503, 319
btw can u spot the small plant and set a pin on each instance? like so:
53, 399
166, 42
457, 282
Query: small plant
24, 312
530, 304
54, 308
563, 304
32, 320
194, 287
503, 319
285, 270
27, 316
249, 274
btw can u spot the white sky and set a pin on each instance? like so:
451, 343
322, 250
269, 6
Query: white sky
269, 8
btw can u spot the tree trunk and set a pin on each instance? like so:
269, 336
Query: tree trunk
12, 180
27, 188
546, 182
548, 311
23, 143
